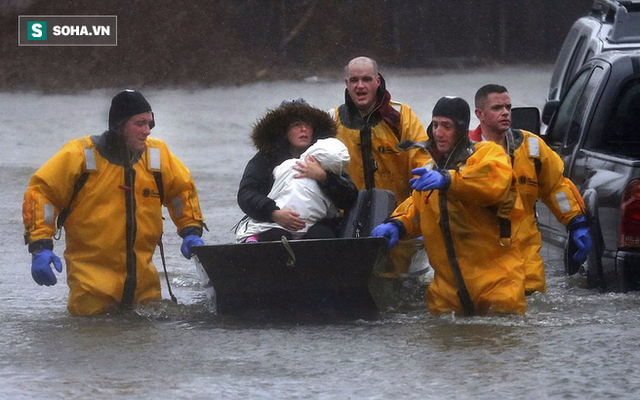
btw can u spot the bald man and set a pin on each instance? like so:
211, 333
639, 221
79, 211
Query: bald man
370, 124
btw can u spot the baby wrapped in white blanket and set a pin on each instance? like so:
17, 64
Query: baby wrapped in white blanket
302, 195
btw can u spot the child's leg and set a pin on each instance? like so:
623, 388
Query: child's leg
251, 239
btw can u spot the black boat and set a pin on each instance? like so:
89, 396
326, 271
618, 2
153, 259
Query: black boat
322, 275
312, 275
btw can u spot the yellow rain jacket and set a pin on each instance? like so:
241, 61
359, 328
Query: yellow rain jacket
115, 221
392, 167
480, 189
539, 171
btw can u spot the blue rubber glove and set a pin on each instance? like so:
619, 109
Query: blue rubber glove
582, 239
41, 267
389, 231
187, 242
429, 179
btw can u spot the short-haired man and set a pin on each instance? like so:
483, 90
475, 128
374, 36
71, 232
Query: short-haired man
539, 172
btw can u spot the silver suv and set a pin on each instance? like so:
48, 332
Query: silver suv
610, 25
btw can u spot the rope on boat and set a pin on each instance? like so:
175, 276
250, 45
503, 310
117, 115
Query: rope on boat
291, 262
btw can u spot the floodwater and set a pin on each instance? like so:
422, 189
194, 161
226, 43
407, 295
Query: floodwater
572, 343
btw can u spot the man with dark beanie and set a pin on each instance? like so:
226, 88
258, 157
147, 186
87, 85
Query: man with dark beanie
108, 191
466, 206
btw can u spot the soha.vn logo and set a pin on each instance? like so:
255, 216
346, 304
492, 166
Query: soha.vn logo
37, 30
66, 30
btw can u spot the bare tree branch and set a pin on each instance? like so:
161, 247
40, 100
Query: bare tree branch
301, 24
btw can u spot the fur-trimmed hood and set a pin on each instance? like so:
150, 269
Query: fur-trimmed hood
269, 134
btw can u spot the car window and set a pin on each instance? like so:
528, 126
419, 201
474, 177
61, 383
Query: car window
564, 115
623, 127
574, 63
582, 107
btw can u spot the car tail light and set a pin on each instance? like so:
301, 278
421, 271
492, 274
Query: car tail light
630, 216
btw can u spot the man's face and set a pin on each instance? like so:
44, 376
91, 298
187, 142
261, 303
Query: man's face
136, 130
496, 113
362, 84
444, 133
300, 135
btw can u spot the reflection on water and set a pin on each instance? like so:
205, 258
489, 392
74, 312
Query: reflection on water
572, 343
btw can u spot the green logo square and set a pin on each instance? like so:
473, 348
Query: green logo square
37, 30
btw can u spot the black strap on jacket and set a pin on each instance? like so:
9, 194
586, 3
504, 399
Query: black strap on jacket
463, 292
368, 162
64, 213
158, 177
164, 265
505, 239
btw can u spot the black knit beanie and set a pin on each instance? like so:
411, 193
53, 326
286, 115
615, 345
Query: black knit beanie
125, 105
455, 108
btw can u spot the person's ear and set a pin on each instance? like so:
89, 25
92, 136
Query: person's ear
479, 114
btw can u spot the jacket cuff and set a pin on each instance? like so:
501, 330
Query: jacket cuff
191, 230
41, 244
579, 221
402, 231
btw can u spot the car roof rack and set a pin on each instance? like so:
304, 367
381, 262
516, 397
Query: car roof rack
624, 17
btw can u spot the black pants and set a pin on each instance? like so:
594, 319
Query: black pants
325, 229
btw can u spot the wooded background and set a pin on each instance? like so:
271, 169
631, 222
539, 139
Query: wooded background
236, 41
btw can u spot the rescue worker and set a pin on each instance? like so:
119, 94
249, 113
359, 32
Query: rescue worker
539, 171
281, 134
370, 124
107, 191
466, 206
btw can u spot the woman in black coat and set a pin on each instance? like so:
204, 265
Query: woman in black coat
284, 133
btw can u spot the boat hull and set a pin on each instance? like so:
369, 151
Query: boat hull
322, 274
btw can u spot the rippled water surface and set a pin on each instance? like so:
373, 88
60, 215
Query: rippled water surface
572, 343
